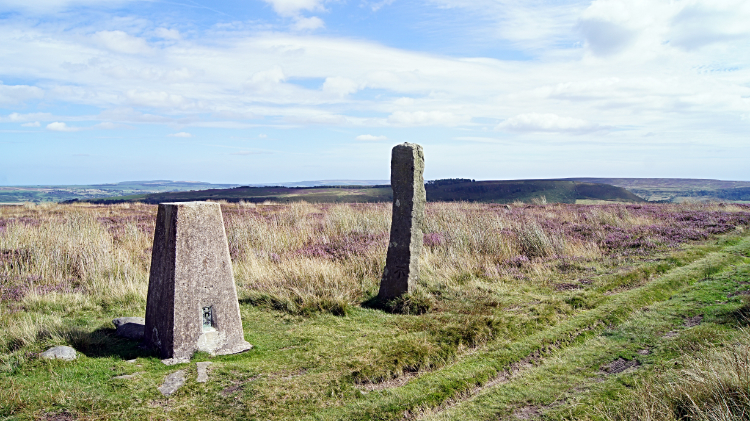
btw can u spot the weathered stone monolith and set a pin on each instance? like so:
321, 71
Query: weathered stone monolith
192, 300
402, 262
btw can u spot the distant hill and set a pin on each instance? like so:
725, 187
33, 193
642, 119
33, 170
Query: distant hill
61, 193
553, 191
280, 194
550, 191
679, 189
322, 183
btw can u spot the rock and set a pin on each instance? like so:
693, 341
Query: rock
175, 361
192, 298
172, 382
130, 327
203, 371
60, 352
405, 245
131, 331
125, 320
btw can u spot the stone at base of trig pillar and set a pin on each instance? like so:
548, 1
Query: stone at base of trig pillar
405, 245
192, 300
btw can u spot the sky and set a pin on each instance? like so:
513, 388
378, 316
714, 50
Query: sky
262, 91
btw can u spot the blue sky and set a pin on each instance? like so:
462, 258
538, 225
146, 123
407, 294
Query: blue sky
260, 91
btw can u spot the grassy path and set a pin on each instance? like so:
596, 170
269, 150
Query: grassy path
577, 339
573, 383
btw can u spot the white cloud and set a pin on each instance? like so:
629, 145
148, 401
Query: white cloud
127, 114
531, 25
17, 117
308, 24
121, 42
52, 6
380, 4
165, 33
61, 127
15, 94
652, 78
605, 38
294, 7
553, 123
701, 23
426, 118
156, 99
33, 124
652, 26
340, 86
265, 81
108, 125
370, 138
180, 134
245, 153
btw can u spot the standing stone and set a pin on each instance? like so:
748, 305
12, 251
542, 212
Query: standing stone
402, 262
192, 300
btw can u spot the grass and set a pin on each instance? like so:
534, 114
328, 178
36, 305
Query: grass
504, 294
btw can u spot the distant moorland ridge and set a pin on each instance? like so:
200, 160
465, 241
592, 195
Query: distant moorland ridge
540, 191
679, 189
567, 190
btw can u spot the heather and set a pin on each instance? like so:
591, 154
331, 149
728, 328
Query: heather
502, 287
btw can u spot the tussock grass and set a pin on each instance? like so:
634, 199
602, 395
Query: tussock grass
713, 386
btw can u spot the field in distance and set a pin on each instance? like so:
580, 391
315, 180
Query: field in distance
448, 190
61, 193
676, 190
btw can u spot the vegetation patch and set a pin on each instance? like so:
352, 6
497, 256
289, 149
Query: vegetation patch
520, 309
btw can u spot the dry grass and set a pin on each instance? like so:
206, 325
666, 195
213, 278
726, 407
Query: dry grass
713, 386
303, 257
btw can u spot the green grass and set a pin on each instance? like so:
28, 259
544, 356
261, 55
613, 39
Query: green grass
572, 384
466, 344
311, 366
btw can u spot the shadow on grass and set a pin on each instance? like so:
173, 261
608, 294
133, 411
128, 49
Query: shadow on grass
103, 342
409, 303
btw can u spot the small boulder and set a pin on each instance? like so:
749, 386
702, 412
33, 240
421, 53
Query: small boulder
130, 327
172, 382
60, 353
125, 320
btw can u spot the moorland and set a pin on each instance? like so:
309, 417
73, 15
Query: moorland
522, 311
447, 190
573, 190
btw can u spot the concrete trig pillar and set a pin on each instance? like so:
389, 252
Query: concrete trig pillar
192, 299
